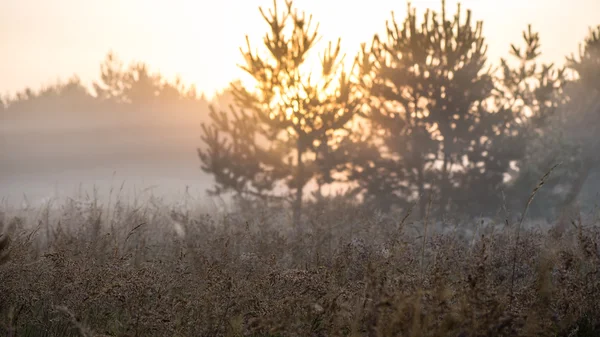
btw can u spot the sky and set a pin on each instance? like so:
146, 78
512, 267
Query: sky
44, 41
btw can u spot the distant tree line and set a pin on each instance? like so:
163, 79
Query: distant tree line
120, 88
421, 117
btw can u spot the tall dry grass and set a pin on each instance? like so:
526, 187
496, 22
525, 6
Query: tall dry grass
85, 269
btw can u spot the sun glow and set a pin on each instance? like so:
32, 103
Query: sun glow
200, 40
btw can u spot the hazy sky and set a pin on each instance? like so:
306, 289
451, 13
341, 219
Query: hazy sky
44, 40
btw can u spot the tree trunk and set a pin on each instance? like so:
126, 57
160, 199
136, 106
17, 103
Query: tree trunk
445, 186
297, 215
422, 200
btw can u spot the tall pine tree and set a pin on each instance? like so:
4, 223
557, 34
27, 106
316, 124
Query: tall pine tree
283, 134
579, 120
535, 95
429, 86
583, 110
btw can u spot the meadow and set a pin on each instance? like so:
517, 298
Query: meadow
438, 145
149, 268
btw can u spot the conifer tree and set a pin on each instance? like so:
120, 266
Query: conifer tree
583, 108
283, 134
535, 94
429, 84
527, 94
570, 136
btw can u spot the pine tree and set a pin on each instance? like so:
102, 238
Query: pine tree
584, 98
566, 136
429, 86
581, 117
535, 94
526, 96
285, 133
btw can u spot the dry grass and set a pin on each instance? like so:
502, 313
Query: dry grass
150, 270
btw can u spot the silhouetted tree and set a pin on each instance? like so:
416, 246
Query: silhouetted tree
527, 94
137, 87
62, 97
583, 111
379, 180
283, 133
570, 136
431, 94
536, 93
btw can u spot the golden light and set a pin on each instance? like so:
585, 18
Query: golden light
200, 40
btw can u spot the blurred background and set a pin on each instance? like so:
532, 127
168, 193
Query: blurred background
96, 94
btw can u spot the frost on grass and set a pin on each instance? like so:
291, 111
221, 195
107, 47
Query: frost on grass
157, 269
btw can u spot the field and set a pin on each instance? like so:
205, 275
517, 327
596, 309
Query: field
375, 187
150, 269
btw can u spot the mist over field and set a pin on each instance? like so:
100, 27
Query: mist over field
129, 123
412, 183
50, 156
53, 149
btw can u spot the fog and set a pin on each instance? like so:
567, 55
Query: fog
49, 156
474, 133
